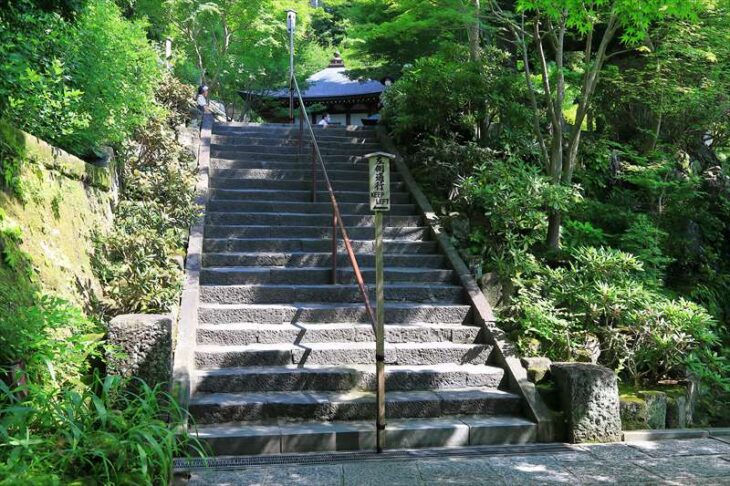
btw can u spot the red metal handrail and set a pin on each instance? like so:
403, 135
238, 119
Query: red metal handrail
336, 215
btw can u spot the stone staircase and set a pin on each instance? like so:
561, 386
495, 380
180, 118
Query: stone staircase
284, 361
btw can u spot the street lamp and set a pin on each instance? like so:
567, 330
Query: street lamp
291, 23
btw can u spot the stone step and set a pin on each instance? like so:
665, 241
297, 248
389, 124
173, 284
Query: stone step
344, 353
278, 141
283, 294
305, 164
319, 275
323, 259
284, 207
300, 196
245, 334
246, 439
305, 219
354, 405
303, 174
313, 313
346, 378
293, 150
292, 155
359, 184
218, 245
293, 132
413, 233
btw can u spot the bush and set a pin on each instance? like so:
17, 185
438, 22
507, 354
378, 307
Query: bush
603, 294
54, 340
446, 95
136, 261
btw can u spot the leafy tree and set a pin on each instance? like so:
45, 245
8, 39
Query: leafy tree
541, 29
397, 32
116, 69
235, 45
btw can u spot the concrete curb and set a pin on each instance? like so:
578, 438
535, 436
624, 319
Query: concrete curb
665, 434
504, 350
183, 361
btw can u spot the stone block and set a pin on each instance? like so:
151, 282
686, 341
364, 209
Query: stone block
144, 343
656, 404
633, 413
537, 368
589, 398
676, 412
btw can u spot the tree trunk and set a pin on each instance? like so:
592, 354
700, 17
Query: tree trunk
553, 236
473, 32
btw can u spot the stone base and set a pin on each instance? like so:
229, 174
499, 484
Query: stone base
589, 397
144, 345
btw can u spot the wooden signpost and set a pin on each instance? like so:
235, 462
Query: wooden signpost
380, 202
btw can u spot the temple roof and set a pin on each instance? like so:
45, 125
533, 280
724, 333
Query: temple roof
332, 84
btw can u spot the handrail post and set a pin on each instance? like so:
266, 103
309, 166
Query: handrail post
379, 331
334, 246
301, 128
314, 173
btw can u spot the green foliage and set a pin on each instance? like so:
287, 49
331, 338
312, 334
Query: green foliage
17, 279
633, 18
12, 151
54, 340
117, 71
603, 294
136, 259
397, 32
35, 93
467, 93
78, 84
513, 199
99, 434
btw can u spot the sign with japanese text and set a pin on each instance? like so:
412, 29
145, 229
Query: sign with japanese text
379, 181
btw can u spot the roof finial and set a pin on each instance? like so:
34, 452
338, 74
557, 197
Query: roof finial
336, 61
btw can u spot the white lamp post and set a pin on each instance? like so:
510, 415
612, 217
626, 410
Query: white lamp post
291, 23
168, 52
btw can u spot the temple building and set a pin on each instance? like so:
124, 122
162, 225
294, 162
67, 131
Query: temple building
347, 101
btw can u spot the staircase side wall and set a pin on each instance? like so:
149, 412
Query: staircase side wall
187, 322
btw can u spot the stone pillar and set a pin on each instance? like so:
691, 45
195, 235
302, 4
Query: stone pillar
589, 399
144, 348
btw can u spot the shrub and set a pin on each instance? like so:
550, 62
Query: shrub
512, 198
446, 95
136, 260
603, 294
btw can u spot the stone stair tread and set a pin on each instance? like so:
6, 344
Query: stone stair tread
345, 305
216, 348
235, 269
245, 429
294, 397
337, 286
347, 369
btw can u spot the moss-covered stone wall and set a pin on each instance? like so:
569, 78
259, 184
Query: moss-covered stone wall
63, 201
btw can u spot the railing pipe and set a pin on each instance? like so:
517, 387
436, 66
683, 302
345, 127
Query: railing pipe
337, 216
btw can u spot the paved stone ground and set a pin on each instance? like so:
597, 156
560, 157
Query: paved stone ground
668, 462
